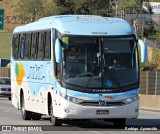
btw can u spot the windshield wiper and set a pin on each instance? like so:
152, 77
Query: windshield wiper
90, 78
111, 75
114, 79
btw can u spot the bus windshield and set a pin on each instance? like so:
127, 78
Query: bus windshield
99, 63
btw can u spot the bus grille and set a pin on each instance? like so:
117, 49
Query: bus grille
5, 89
97, 104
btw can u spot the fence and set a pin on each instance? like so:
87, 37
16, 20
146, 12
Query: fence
4, 72
142, 19
150, 82
132, 14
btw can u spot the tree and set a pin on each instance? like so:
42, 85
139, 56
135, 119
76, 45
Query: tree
133, 3
49, 7
149, 28
65, 6
97, 7
41, 8
35, 8
29, 8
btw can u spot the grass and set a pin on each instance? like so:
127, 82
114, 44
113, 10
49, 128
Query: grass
5, 44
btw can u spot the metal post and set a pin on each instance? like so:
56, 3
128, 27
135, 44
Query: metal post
121, 14
124, 13
156, 84
36, 14
136, 27
143, 27
116, 2
146, 82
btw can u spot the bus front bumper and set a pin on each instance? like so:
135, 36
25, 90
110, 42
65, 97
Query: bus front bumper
75, 111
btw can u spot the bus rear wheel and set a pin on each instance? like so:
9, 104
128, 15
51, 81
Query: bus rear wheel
54, 120
36, 116
26, 115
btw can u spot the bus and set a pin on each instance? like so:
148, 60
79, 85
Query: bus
76, 67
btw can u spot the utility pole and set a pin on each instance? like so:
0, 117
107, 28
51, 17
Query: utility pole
135, 25
36, 14
46, 4
35, 10
116, 6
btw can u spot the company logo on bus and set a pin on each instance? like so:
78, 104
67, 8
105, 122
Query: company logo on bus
102, 103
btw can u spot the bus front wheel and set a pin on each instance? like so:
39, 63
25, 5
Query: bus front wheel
26, 115
119, 123
54, 120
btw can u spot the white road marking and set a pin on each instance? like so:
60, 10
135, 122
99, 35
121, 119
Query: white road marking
96, 132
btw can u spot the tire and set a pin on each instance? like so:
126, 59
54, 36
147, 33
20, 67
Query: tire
54, 120
26, 115
119, 123
9, 98
36, 116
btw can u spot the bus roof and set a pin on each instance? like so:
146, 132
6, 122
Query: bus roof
80, 25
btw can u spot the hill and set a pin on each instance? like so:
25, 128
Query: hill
5, 44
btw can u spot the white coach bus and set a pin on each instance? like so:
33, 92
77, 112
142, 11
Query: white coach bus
76, 67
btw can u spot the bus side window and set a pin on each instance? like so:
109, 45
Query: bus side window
40, 46
15, 42
22, 55
20, 46
28, 46
48, 45
43, 45
32, 45
34, 48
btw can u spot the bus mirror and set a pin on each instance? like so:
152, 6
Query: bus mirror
144, 51
58, 51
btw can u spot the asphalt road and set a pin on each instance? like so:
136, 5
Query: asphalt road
10, 116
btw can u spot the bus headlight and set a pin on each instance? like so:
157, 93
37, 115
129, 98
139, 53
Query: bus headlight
72, 99
130, 100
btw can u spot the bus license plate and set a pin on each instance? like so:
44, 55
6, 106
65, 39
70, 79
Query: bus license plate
102, 112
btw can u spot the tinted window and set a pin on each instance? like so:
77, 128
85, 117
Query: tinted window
34, 47
15, 44
48, 45
28, 46
40, 46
